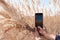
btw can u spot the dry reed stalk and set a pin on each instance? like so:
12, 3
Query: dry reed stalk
5, 14
11, 11
9, 14
13, 22
54, 2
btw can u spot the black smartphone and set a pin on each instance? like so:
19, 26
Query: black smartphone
39, 20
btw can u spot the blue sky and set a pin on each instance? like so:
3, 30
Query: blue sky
47, 4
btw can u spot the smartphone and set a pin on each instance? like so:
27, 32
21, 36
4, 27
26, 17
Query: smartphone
39, 20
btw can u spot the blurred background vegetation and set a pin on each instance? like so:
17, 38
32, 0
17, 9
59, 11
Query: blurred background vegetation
23, 12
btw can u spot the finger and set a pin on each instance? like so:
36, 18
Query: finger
39, 28
44, 28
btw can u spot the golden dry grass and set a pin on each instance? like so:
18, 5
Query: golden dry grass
53, 24
20, 27
13, 27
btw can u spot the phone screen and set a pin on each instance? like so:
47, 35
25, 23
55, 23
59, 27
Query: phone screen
39, 19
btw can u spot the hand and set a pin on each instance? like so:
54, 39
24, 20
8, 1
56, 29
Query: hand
44, 32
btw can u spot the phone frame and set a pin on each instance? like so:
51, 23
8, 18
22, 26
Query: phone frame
37, 24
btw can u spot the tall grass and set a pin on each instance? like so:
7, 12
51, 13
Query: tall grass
19, 21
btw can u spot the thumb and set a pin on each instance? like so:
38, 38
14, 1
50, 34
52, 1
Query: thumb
39, 28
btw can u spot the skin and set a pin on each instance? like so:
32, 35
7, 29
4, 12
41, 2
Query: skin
46, 34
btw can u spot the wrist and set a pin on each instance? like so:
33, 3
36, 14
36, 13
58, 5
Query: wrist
53, 36
50, 36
